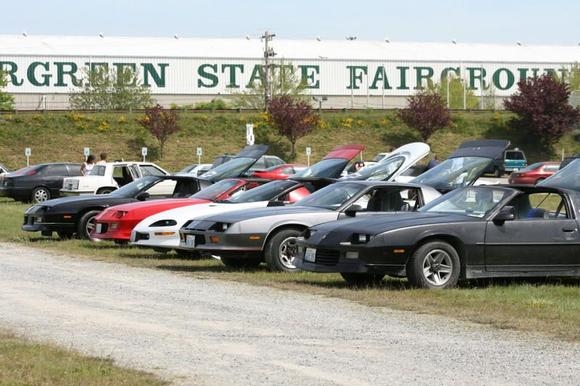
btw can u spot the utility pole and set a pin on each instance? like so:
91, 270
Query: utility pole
268, 53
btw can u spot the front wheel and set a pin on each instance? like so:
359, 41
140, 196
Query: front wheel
281, 250
362, 279
434, 265
87, 224
240, 263
40, 194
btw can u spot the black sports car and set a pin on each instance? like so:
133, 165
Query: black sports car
473, 232
37, 183
76, 214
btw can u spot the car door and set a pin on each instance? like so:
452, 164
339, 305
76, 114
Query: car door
543, 236
52, 176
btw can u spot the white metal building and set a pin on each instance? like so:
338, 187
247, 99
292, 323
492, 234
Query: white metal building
44, 70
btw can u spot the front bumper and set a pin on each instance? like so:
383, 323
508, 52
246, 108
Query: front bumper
351, 259
39, 219
239, 245
151, 237
113, 230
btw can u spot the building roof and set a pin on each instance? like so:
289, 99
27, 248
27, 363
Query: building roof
95, 46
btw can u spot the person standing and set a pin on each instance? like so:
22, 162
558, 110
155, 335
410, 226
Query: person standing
88, 165
103, 159
434, 162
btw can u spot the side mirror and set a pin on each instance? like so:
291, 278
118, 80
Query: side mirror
507, 213
142, 196
351, 210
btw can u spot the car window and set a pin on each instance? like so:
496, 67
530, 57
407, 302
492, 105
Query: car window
122, 175
55, 170
514, 155
215, 190
389, 199
333, 196
98, 170
551, 168
474, 201
265, 192
150, 170
539, 206
74, 170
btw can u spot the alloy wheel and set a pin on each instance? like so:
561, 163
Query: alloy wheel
287, 252
437, 267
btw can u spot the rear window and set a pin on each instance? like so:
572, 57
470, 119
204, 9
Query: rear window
515, 155
26, 170
98, 170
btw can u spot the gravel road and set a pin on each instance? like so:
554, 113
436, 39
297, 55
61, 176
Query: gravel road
195, 331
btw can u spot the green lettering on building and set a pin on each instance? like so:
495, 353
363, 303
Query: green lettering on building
476, 74
356, 76
380, 76
122, 74
509, 79
149, 72
308, 75
231, 69
69, 69
212, 78
423, 73
257, 73
10, 69
31, 74
402, 78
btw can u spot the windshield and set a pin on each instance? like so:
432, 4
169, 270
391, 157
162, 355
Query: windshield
567, 178
230, 169
265, 192
215, 190
333, 196
327, 168
379, 172
473, 201
454, 173
136, 187
98, 170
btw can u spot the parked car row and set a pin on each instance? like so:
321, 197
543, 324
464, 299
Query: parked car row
437, 228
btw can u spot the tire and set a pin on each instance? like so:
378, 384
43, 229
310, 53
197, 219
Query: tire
240, 263
86, 224
65, 235
105, 190
362, 279
281, 250
188, 254
434, 265
40, 194
496, 172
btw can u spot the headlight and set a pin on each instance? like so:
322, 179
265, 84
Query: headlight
361, 238
164, 223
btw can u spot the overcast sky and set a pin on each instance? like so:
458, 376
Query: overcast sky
493, 21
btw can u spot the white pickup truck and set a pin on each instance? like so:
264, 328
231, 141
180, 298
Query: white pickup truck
105, 178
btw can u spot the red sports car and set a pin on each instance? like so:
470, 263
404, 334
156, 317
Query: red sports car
117, 222
534, 173
278, 172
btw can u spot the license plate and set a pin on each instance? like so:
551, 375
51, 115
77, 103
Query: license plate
310, 255
190, 240
99, 228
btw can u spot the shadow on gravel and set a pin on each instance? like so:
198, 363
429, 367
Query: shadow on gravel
207, 268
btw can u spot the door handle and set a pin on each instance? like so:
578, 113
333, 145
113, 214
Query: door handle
568, 230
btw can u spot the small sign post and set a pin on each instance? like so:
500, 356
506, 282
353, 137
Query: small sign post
199, 154
87, 151
144, 153
308, 153
28, 153
250, 134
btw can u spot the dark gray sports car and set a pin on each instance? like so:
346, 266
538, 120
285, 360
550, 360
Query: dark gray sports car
473, 232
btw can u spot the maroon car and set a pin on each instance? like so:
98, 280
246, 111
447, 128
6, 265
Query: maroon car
534, 173
278, 172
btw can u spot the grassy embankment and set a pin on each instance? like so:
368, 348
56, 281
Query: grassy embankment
23, 362
61, 136
550, 307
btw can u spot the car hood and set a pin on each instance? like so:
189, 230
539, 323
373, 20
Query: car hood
241, 215
89, 199
379, 223
158, 204
566, 178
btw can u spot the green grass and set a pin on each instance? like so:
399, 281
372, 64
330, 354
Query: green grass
550, 307
23, 362
61, 136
